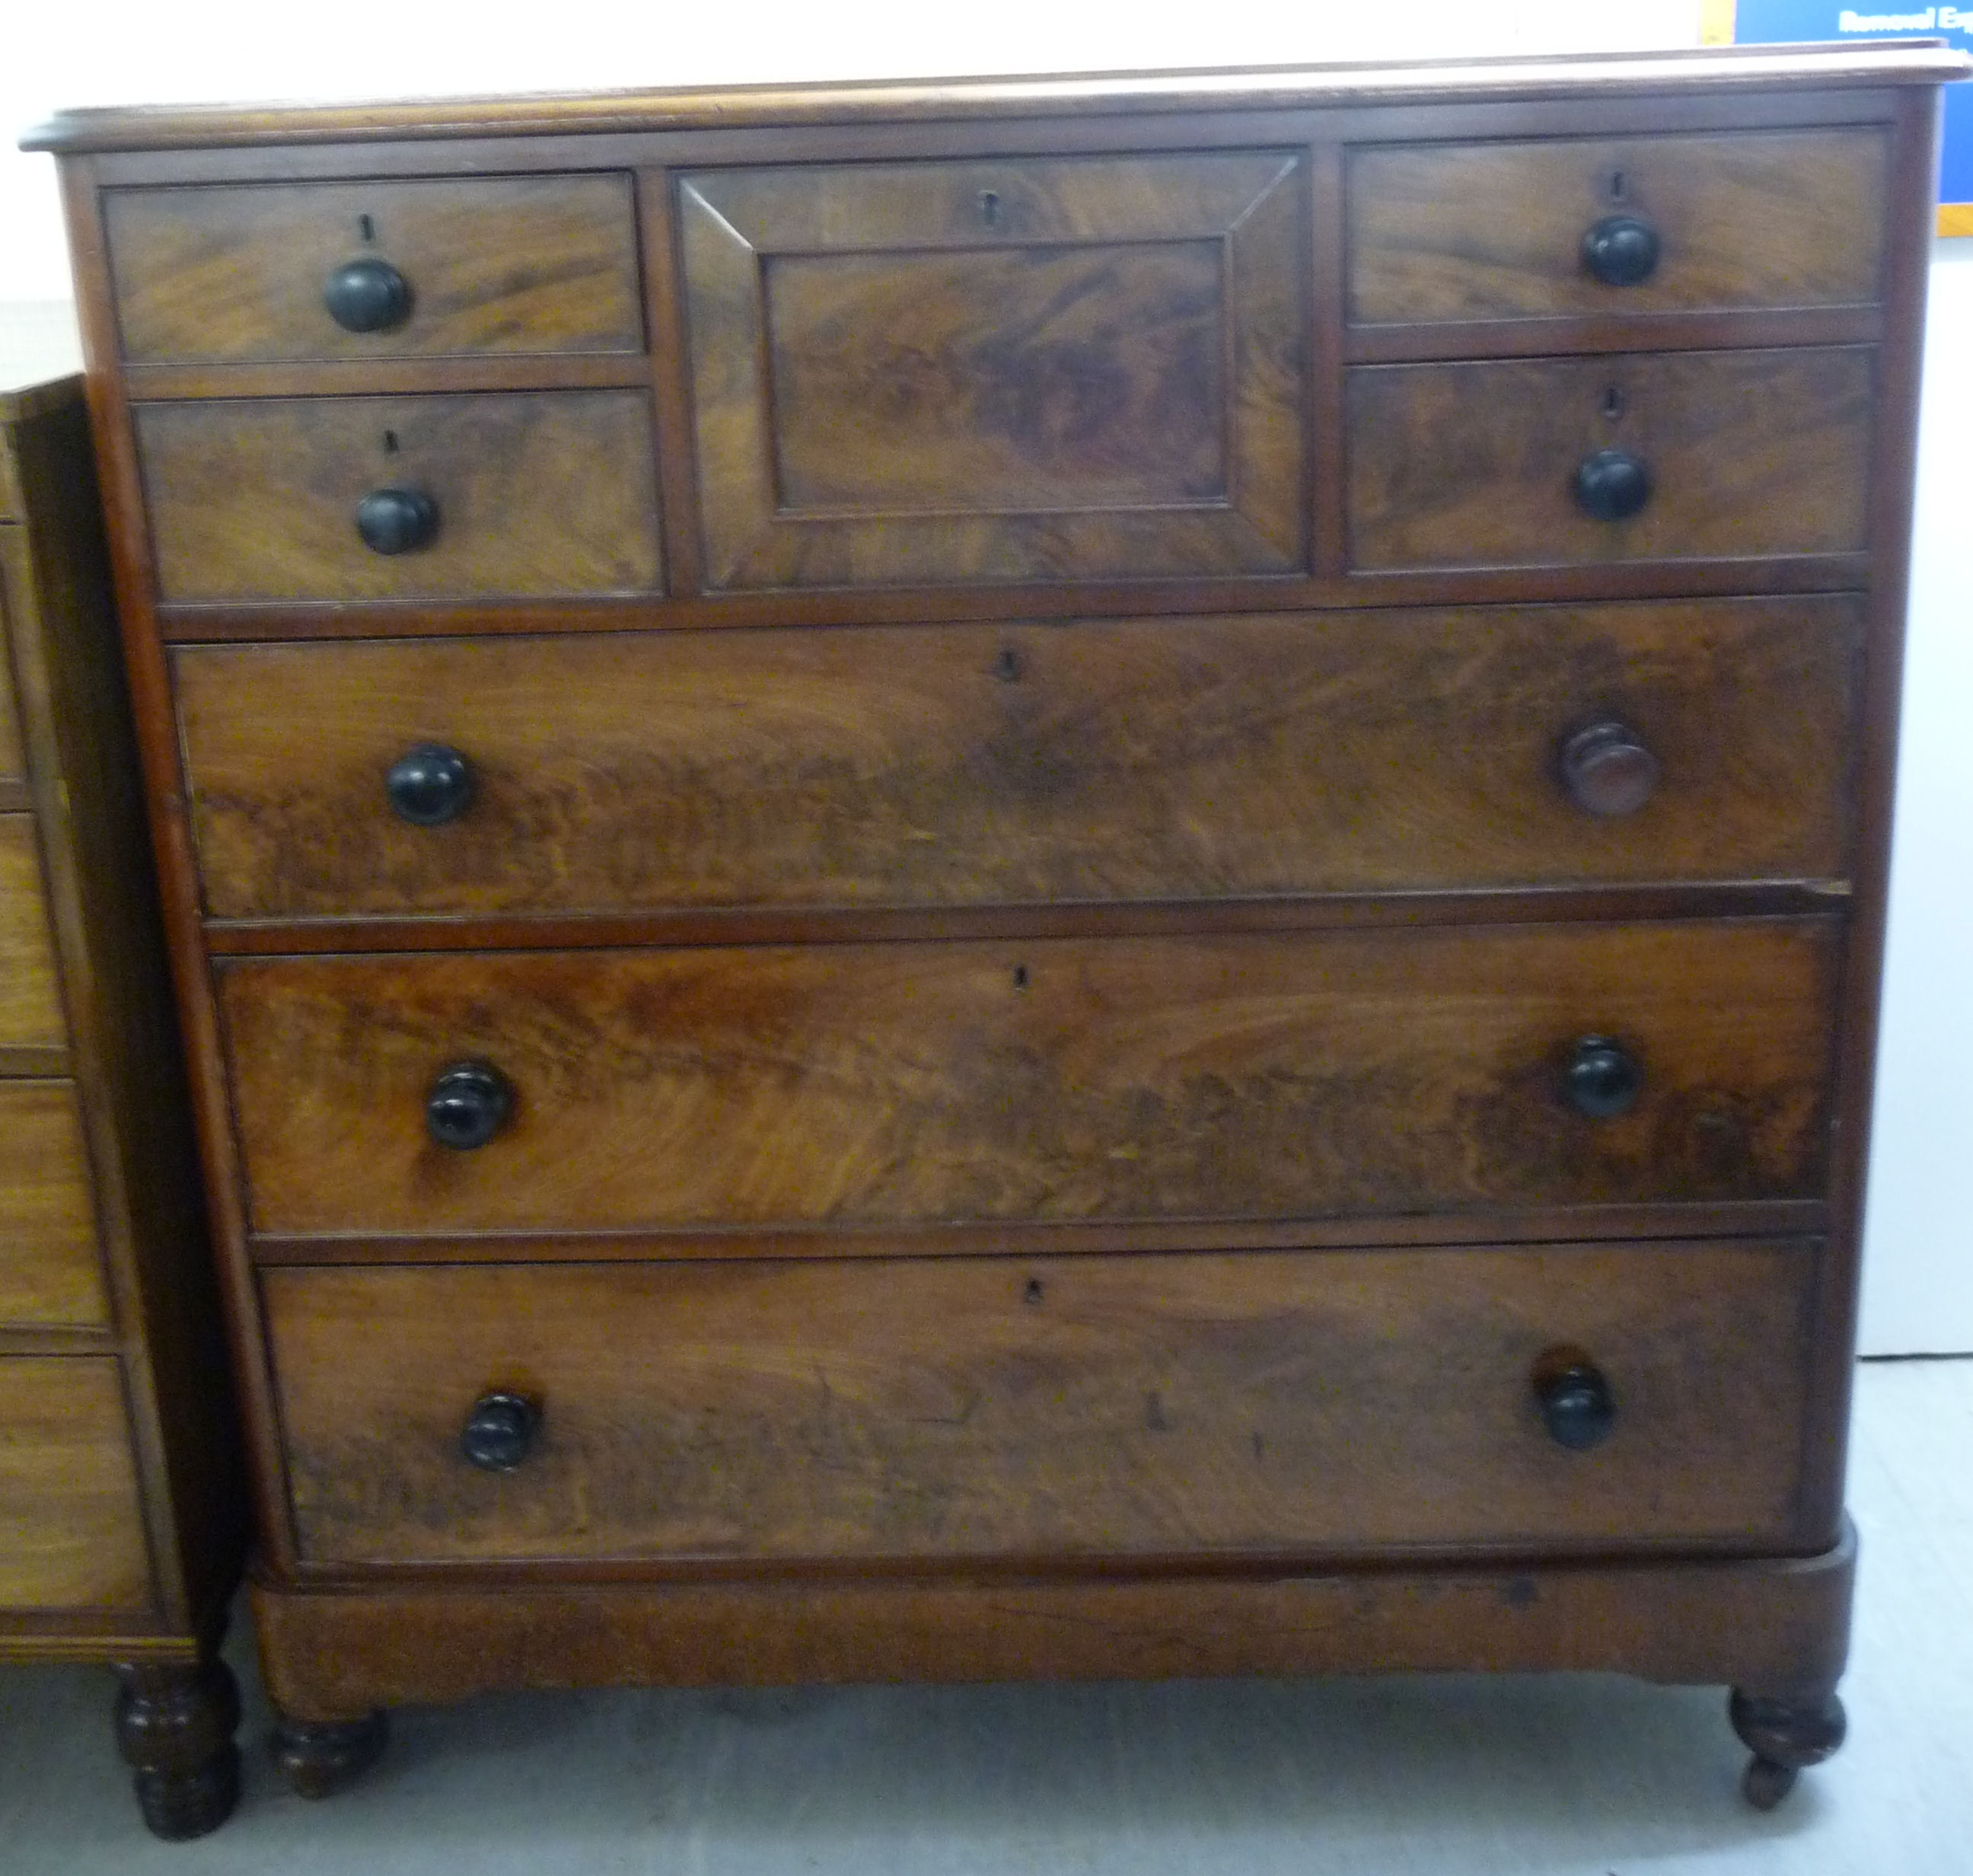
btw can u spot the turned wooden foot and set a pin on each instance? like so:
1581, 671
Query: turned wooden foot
175, 1728
1786, 1733
319, 1758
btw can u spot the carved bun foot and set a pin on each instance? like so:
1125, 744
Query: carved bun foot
319, 1758
1786, 1733
175, 1728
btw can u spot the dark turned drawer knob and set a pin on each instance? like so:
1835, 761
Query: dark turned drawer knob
367, 296
397, 520
1612, 485
1620, 251
500, 1431
1577, 1406
468, 1104
429, 785
1604, 1078
1608, 770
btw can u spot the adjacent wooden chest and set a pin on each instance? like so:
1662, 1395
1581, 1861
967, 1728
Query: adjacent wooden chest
1067, 876
121, 1507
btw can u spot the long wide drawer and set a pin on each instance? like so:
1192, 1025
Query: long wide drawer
71, 1526
516, 494
31, 1004
1298, 1403
1635, 456
1262, 1076
971, 764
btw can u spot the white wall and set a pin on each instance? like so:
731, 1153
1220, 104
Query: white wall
1919, 1287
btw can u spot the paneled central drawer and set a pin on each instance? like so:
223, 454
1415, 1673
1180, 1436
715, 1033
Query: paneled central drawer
971, 765
1311, 1402
1267, 1076
1013, 368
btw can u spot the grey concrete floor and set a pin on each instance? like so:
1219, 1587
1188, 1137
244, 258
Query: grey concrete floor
1448, 1775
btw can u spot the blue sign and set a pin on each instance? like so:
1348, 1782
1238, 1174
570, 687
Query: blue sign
1792, 22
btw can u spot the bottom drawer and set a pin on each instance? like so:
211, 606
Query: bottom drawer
1307, 1402
71, 1527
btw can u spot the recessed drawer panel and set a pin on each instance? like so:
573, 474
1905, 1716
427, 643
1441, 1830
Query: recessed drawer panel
998, 1407
14, 574
510, 495
1010, 369
1265, 1076
413, 269
71, 1532
30, 1007
971, 764
50, 1269
1582, 226
1669, 456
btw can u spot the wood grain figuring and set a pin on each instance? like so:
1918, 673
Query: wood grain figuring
958, 765
71, 1535
548, 493
1494, 231
30, 1007
503, 264
1102, 1406
997, 370
51, 1265
1235, 1078
1749, 454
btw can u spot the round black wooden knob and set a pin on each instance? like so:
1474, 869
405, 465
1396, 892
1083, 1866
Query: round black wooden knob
1577, 1406
1612, 485
1604, 1078
1620, 251
467, 1105
397, 520
1608, 770
500, 1431
429, 785
367, 296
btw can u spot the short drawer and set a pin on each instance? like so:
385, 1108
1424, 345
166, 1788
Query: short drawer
1668, 456
71, 1526
971, 764
50, 1266
31, 1006
1014, 367
1262, 1076
1298, 1403
520, 495
488, 264
1768, 219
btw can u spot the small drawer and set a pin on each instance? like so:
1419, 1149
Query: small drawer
1262, 1077
998, 369
50, 1267
30, 1005
1612, 225
1293, 1404
966, 765
375, 270
1634, 457
71, 1527
508, 495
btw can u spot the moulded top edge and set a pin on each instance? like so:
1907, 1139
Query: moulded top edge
1877, 63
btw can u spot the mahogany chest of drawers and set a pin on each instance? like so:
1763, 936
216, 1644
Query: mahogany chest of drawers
122, 1510
1049, 877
